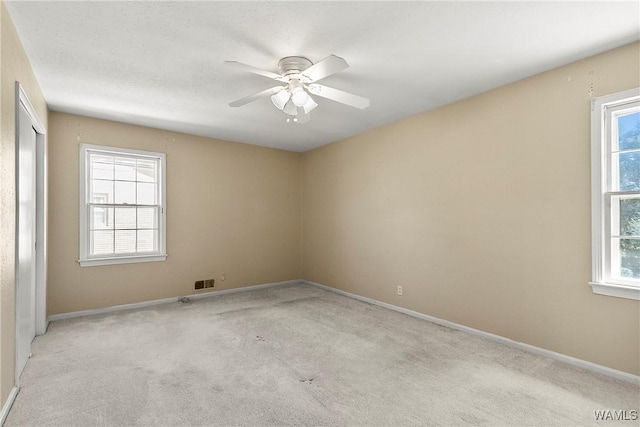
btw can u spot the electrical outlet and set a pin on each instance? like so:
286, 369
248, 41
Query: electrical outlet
223, 276
199, 284
399, 290
209, 283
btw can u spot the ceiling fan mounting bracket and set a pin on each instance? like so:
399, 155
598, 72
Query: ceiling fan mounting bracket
293, 65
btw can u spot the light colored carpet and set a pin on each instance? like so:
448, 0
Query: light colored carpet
296, 355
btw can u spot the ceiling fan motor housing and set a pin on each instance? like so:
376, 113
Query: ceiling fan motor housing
293, 65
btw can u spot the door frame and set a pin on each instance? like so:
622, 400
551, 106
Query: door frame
41, 323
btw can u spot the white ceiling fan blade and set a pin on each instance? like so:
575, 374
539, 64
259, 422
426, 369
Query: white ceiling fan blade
339, 96
256, 96
327, 66
249, 68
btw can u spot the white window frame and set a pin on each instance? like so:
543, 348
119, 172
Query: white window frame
85, 259
602, 281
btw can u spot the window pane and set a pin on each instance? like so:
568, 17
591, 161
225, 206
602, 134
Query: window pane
101, 242
100, 218
147, 240
101, 191
125, 241
629, 170
630, 258
125, 218
125, 192
147, 193
147, 171
629, 131
101, 166
147, 218
630, 217
125, 169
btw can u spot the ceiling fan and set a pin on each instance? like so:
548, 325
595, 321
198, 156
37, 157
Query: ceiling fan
297, 81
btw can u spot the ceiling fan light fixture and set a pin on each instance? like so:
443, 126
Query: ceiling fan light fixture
280, 99
299, 76
299, 96
310, 105
290, 108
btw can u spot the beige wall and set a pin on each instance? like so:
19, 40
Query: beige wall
14, 66
231, 208
481, 211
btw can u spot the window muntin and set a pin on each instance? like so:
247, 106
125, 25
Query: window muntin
616, 194
122, 206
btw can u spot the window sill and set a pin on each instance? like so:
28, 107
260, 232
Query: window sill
121, 260
620, 291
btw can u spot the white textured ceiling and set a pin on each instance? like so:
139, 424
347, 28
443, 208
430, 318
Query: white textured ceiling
161, 64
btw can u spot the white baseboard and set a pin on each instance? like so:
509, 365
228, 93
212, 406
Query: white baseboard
7, 405
142, 304
516, 344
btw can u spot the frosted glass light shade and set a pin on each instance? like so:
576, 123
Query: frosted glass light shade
299, 97
310, 105
280, 99
290, 108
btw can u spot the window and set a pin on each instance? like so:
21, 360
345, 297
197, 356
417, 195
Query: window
122, 206
615, 185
